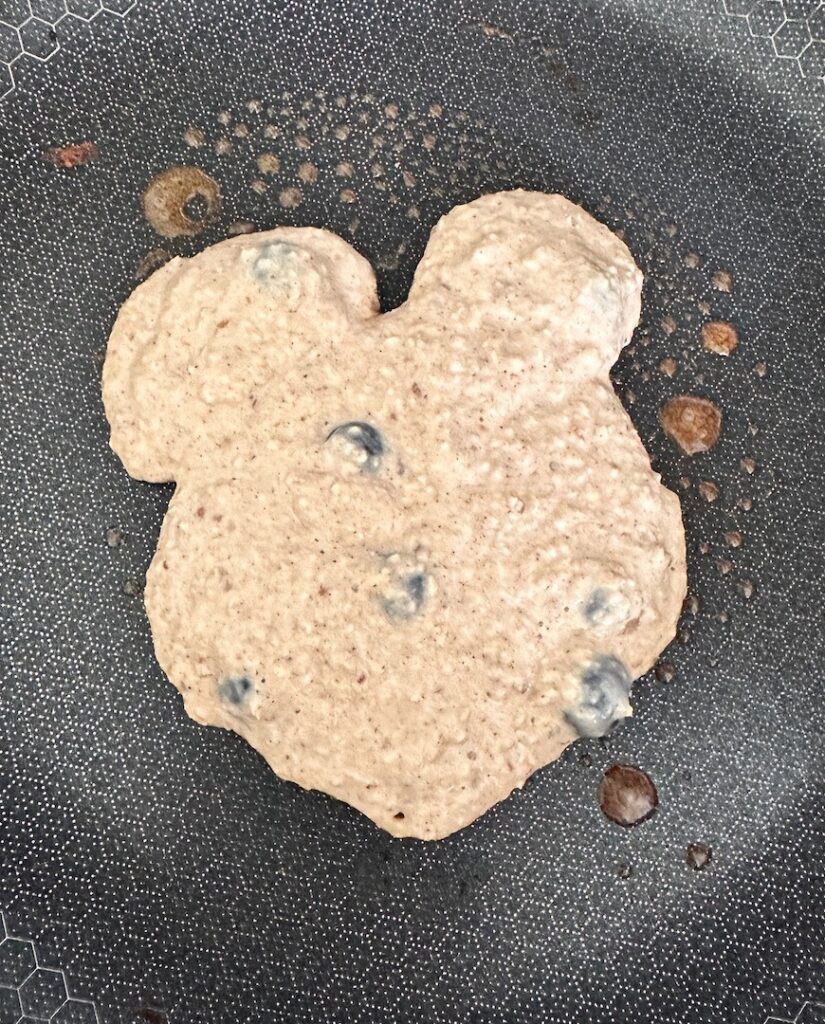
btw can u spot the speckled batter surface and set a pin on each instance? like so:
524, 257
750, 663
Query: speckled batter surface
410, 556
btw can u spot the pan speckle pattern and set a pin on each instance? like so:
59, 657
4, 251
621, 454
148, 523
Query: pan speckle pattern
162, 865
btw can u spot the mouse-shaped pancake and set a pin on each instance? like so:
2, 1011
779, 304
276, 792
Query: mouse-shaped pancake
410, 556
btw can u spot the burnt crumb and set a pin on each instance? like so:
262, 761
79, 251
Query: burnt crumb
720, 337
623, 870
627, 795
181, 201
694, 423
698, 856
399, 815
709, 490
150, 1015
77, 154
134, 588
665, 671
152, 261
722, 281
585, 759
115, 537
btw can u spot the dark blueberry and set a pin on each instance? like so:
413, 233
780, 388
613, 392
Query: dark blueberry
365, 438
234, 689
597, 606
604, 689
407, 603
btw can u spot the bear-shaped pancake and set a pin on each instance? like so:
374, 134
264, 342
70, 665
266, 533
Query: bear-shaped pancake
410, 556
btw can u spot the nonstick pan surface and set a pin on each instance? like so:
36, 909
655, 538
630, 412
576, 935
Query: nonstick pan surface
160, 868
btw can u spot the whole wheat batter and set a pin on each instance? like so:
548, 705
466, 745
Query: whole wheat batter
410, 556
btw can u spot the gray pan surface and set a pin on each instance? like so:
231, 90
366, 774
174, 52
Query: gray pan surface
159, 869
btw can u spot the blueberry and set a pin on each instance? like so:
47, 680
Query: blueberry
597, 607
409, 599
605, 687
234, 689
366, 441
274, 263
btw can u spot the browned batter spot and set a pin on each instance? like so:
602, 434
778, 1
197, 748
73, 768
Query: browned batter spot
747, 588
692, 260
344, 169
709, 490
733, 538
170, 198
669, 325
269, 163
749, 465
308, 172
290, 197
760, 369
668, 366
722, 281
75, 155
348, 195
720, 337
194, 137
694, 423
241, 227
627, 795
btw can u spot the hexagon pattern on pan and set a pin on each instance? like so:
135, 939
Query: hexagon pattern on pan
28, 29
794, 28
31, 991
810, 1013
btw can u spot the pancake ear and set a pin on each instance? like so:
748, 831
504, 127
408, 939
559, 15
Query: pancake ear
193, 345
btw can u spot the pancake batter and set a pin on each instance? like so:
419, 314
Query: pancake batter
410, 556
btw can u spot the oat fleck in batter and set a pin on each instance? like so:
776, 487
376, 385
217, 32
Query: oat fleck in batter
410, 556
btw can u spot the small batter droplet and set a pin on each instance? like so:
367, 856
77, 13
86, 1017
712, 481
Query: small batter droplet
694, 423
627, 795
